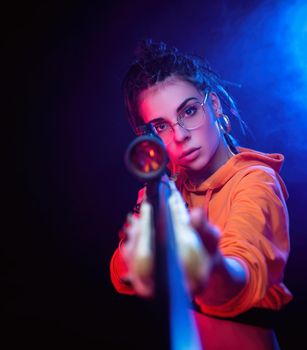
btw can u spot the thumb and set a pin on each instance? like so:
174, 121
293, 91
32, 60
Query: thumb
208, 233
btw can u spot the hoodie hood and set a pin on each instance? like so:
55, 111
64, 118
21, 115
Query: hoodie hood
246, 158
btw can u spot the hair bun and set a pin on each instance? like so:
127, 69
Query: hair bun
148, 50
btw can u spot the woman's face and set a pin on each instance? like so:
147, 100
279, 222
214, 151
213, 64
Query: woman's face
196, 150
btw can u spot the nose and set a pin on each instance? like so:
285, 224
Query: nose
180, 133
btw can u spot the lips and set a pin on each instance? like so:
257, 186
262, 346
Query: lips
189, 154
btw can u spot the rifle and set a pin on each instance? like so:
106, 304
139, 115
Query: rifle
167, 241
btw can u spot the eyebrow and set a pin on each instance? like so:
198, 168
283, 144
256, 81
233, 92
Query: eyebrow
184, 103
178, 109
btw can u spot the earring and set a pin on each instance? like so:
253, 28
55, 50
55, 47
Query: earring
224, 123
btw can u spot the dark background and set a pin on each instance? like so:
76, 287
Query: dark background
66, 190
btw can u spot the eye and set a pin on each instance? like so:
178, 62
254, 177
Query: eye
161, 127
190, 111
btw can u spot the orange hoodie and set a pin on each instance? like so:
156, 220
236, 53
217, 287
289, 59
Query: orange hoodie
245, 199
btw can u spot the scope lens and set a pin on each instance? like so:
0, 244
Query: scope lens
147, 156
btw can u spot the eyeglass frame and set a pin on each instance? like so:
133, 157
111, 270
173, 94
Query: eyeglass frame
179, 121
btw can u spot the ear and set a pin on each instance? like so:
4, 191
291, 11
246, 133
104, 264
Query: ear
216, 104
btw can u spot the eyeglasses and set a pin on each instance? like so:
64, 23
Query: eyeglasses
190, 117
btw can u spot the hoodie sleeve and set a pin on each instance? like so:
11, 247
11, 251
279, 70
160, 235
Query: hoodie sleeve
118, 272
256, 233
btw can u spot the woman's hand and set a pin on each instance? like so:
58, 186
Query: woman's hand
137, 250
197, 242
209, 234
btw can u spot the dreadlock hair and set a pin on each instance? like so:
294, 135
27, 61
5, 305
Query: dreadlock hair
155, 62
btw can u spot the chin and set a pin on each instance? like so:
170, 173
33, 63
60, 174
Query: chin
196, 166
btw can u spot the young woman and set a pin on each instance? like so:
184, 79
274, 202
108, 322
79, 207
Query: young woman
235, 196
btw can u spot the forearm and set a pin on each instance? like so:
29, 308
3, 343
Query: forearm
227, 279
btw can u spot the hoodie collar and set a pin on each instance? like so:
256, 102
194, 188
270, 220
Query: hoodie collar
246, 158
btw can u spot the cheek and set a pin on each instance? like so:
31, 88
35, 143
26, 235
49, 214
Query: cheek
214, 135
208, 136
172, 152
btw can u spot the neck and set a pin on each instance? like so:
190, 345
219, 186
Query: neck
221, 156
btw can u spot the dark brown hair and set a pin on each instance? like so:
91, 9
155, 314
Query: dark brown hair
155, 62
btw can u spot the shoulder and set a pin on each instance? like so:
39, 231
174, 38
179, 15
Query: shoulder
260, 183
257, 172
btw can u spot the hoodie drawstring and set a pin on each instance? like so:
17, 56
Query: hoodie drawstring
208, 196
